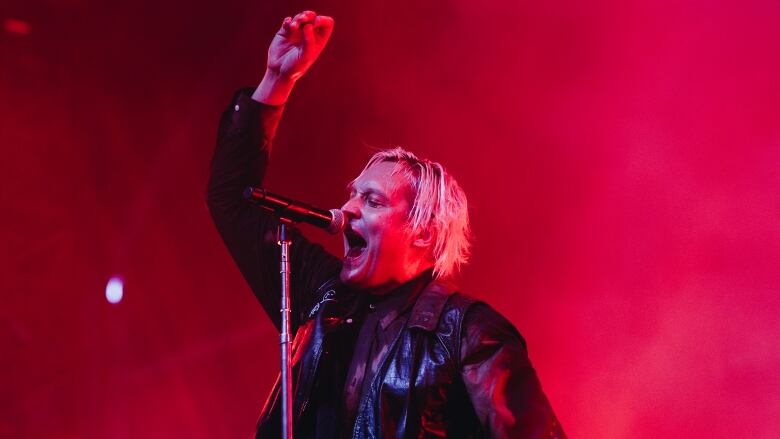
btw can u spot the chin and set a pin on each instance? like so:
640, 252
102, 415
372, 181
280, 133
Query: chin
348, 278
356, 279
353, 272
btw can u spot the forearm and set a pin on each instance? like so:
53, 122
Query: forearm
244, 140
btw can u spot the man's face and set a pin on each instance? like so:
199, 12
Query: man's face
378, 247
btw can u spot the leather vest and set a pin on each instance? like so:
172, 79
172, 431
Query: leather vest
417, 391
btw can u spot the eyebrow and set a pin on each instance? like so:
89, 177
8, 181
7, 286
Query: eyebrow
351, 187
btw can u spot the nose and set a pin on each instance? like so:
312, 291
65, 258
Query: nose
351, 208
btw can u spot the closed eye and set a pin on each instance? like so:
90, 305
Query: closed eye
370, 197
372, 202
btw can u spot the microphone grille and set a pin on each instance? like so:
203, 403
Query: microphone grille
337, 222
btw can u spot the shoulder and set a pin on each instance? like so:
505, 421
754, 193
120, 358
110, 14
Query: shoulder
484, 332
484, 321
479, 319
463, 312
472, 330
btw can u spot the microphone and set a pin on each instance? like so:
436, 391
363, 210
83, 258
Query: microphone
331, 220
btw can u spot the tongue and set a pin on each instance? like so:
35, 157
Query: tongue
354, 252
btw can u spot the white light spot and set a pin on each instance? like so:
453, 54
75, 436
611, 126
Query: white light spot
115, 289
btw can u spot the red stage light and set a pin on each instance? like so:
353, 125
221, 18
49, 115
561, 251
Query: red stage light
14, 26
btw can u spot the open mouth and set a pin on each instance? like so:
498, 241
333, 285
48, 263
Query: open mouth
356, 245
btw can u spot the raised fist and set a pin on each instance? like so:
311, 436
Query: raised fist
298, 43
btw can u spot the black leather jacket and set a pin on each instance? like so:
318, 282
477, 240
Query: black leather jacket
456, 368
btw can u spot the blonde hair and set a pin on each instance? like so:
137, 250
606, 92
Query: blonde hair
439, 206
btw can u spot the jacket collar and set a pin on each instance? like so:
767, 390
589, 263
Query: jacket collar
427, 306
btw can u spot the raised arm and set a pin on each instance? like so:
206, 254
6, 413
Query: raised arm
295, 47
244, 141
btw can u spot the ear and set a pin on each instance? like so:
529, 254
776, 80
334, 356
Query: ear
423, 239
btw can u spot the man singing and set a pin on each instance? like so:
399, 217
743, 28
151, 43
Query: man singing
384, 346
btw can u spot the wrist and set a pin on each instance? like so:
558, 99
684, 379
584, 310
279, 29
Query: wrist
274, 89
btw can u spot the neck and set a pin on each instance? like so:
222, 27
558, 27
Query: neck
425, 275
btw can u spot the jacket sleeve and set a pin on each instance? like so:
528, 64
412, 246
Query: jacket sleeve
244, 138
503, 386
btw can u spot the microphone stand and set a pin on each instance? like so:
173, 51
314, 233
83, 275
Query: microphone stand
288, 212
284, 242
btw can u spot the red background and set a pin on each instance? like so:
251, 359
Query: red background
621, 160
